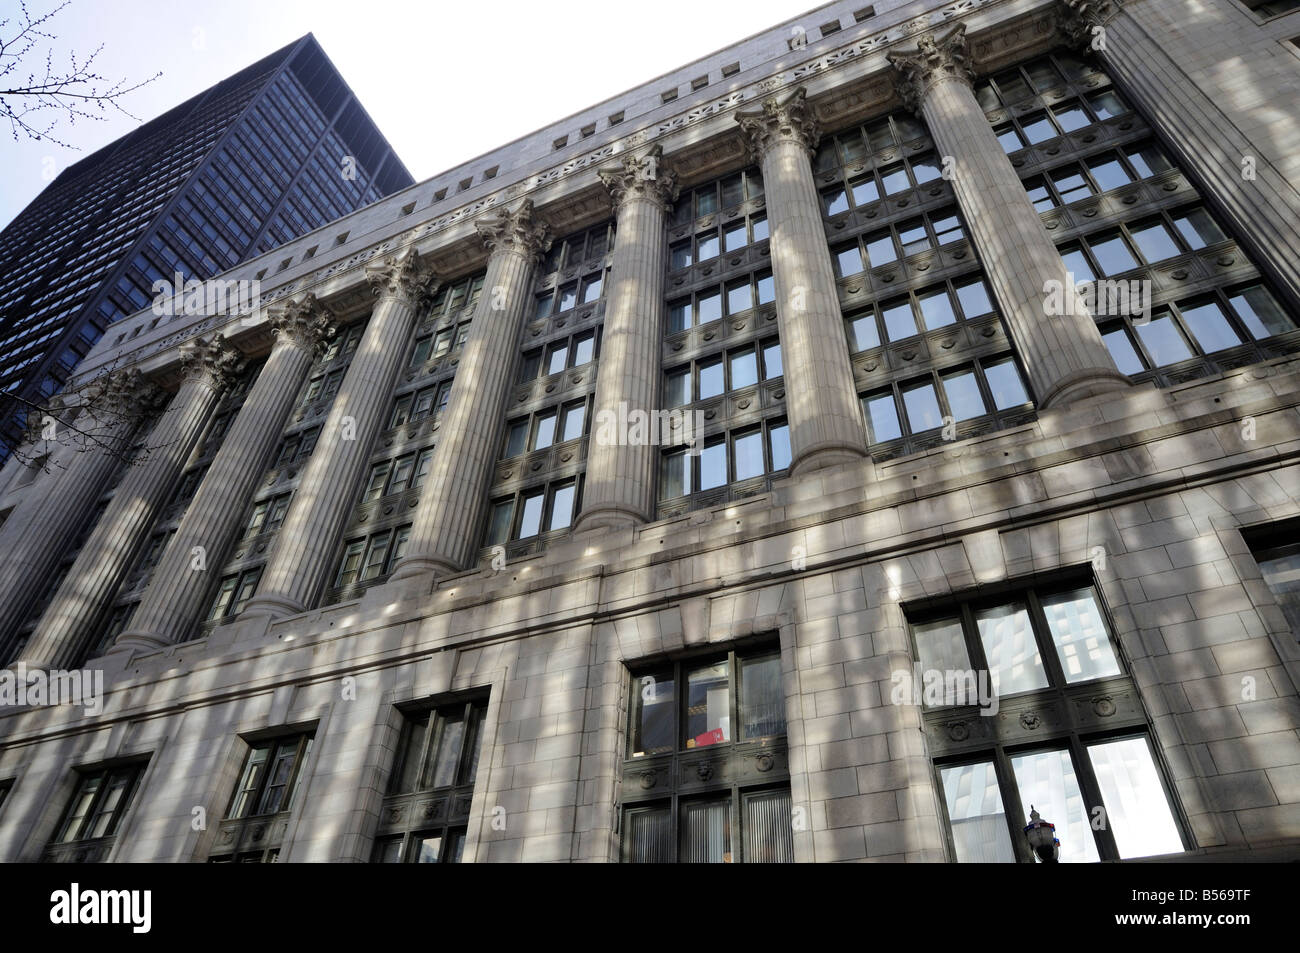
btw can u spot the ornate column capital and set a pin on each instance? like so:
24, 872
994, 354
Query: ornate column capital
1078, 18
213, 362
304, 322
124, 393
776, 121
641, 177
516, 231
933, 62
401, 276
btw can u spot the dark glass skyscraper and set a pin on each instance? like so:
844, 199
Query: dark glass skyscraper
264, 156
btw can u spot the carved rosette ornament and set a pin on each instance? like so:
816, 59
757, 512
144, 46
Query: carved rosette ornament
777, 121
516, 232
1078, 18
304, 322
643, 177
213, 362
401, 276
933, 62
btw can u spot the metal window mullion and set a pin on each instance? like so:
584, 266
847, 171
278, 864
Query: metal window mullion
1107, 849
1046, 643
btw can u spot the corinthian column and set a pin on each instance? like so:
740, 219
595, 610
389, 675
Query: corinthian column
304, 547
84, 453
445, 531
1060, 347
181, 582
207, 369
826, 425
619, 488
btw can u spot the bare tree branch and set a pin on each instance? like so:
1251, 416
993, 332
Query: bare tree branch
72, 93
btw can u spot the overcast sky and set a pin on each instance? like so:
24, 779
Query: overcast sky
444, 81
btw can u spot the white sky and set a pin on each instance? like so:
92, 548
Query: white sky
443, 81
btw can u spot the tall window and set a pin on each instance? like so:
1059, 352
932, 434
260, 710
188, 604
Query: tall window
706, 776
1028, 706
93, 817
427, 809
1276, 549
258, 814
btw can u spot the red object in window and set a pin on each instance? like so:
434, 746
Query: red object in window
713, 737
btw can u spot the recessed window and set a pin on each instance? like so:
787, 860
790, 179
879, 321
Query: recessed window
866, 13
490, 173
830, 28
731, 69
668, 96
1276, 549
464, 184
285, 264
341, 239
437, 764
1264, 9
560, 143
91, 820
268, 782
439, 195
699, 82
310, 252
615, 119
727, 704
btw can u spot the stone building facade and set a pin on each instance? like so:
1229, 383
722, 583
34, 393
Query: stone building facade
757, 466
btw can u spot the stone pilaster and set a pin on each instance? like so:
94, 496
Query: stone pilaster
446, 528
620, 482
88, 447
181, 582
1165, 59
207, 370
304, 547
826, 425
1062, 353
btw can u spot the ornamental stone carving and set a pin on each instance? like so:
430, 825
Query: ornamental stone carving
1077, 20
777, 121
125, 393
305, 322
644, 177
401, 276
516, 231
933, 62
213, 362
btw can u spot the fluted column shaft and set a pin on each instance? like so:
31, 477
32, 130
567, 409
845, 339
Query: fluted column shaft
446, 528
826, 424
109, 553
174, 599
1060, 347
620, 481
304, 547
83, 457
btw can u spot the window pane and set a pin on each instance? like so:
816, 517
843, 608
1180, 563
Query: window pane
680, 255
1071, 116
573, 420
1043, 75
759, 225
1038, 129
1154, 241
1076, 263
709, 308
880, 250
766, 289
1122, 352
1080, 635
772, 360
863, 333
531, 522
1109, 173
679, 316
591, 288
1198, 228
1005, 385
1107, 105
848, 261
1040, 195
926, 169
706, 832
913, 237
1112, 255
414, 736
568, 297
706, 246
711, 382
1137, 809
963, 393
974, 298
779, 438
941, 647
499, 522
1047, 784
744, 368
749, 455
562, 507
1260, 312
882, 417
543, 305
1148, 160
769, 833
584, 348
734, 237
739, 297
425, 850
1071, 184
900, 322
559, 357
708, 705
443, 773
762, 700
649, 835
516, 438
1009, 138
922, 407
865, 191
713, 466
1163, 341
678, 389
544, 435
653, 703
1011, 649
894, 179
936, 308
976, 816
835, 201
674, 476
1209, 326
